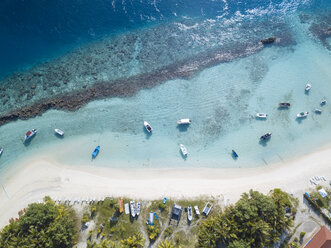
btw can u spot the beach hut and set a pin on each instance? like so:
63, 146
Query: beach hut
176, 213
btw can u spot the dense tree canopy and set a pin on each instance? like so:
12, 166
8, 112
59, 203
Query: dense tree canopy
255, 221
43, 225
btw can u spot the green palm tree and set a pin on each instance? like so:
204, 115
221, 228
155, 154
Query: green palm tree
166, 244
134, 241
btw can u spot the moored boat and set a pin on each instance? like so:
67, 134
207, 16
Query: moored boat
96, 152
318, 111
120, 204
207, 209
189, 213
284, 104
59, 131
308, 87
138, 208
302, 114
1, 151
132, 209
29, 134
261, 115
323, 102
184, 150
185, 121
234, 154
197, 212
266, 136
148, 127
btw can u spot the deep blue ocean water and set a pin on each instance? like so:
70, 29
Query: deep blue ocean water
37, 30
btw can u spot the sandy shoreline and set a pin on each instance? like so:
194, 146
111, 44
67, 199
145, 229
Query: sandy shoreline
37, 177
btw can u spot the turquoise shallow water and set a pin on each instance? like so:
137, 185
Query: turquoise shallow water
221, 101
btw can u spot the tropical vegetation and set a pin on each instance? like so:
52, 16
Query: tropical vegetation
255, 221
41, 225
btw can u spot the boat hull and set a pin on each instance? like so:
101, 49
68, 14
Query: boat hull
183, 150
148, 127
95, 152
184, 121
30, 134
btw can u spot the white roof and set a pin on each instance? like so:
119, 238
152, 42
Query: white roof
323, 192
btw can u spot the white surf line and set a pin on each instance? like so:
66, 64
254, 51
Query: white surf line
4, 190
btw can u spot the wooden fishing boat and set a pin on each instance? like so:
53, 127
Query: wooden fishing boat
96, 152
185, 121
29, 134
261, 115
184, 150
138, 208
302, 114
133, 209
284, 104
58, 131
308, 87
120, 204
148, 127
189, 213
196, 209
234, 154
266, 136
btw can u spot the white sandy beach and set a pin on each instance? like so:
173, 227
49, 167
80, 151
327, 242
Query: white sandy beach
38, 177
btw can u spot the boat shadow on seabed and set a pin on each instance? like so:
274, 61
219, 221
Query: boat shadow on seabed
264, 142
148, 134
182, 128
27, 142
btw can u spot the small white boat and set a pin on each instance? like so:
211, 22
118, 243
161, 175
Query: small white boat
261, 115
197, 212
126, 208
207, 208
308, 87
302, 114
138, 208
148, 127
186, 121
265, 136
59, 131
183, 149
189, 213
29, 134
133, 209
318, 111
1, 151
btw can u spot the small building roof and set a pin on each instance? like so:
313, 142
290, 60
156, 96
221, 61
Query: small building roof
322, 239
176, 212
322, 192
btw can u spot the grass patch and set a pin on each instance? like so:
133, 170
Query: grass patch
111, 224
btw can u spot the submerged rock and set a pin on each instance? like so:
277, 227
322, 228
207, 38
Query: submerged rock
269, 40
